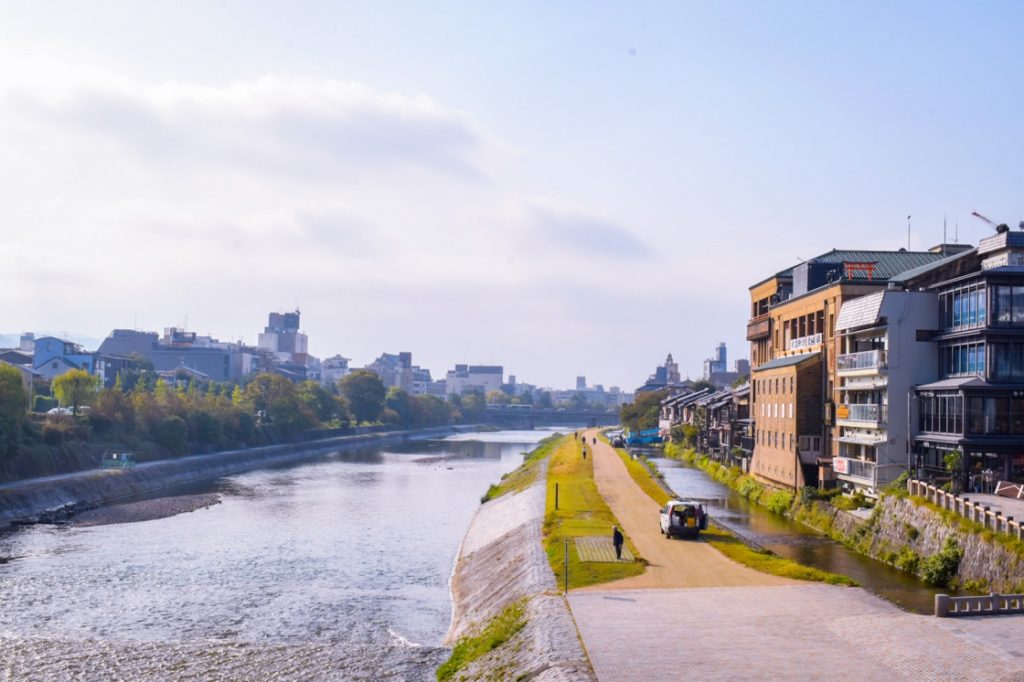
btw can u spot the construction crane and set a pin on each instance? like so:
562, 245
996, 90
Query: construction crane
1001, 227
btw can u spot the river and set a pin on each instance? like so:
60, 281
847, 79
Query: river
331, 569
793, 540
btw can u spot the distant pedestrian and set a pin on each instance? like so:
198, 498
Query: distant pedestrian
575, 435
595, 440
617, 541
584, 453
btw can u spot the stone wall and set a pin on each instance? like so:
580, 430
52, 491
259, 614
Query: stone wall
902, 531
502, 561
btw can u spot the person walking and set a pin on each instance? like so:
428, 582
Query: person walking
595, 440
617, 540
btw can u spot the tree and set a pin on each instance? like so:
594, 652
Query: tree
400, 402
75, 388
544, 400
643, 412
473, 406
13, 403
323, 404
279, 400
365, 394
498, 398
701, 384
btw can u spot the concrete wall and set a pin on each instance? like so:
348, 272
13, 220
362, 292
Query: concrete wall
25, 499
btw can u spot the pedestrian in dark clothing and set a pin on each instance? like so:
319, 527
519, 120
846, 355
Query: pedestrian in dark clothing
617, 541
595, 440
584, 453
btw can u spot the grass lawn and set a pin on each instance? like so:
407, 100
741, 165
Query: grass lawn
499, 630
581, 512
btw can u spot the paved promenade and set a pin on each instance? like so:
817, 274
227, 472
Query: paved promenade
704, 623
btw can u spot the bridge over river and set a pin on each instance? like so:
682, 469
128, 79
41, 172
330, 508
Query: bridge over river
529, 417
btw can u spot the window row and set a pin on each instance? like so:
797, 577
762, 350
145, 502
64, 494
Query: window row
942, 414
776, 410
1007, 305
962, 358
964, 307
776, 385
774, 439
1001, 416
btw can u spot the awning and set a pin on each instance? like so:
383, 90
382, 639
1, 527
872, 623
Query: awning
852, 440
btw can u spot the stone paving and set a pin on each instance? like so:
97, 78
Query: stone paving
804, 631
601, 549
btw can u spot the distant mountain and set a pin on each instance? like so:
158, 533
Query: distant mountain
8, 340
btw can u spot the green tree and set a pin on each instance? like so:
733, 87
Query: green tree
76, 387
279, 399
642, 413
544, 400
701, 384
365, 394
400, 403
324, 405
13, 404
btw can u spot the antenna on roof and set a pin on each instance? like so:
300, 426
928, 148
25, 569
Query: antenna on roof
908, 233
943, 234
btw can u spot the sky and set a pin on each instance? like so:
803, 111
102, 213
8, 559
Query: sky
562, 188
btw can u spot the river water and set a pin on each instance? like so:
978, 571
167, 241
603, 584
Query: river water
794, 540
333, 569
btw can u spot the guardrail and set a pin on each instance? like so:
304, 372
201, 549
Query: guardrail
963, 506
869, 359
994, 604
869, 412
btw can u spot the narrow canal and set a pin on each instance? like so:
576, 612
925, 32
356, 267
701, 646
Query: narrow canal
794, 540
332, 569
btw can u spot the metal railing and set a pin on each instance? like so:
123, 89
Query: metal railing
869, 359
863, 413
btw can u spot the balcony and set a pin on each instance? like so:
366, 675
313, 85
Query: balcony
854, 468
859, 415
758, 328
864, 362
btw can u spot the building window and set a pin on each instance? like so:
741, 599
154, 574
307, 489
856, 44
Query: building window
963, 307
1007, 305
959, 359
791, 410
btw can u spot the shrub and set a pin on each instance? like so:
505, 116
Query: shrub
43, 403
779, 502
749, 488
940, 568
907, 560
172, 433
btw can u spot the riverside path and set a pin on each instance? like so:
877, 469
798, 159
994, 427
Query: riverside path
696, 615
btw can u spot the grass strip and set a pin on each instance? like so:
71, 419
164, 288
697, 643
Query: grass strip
768, 562
582, 511
526, 473
498, 630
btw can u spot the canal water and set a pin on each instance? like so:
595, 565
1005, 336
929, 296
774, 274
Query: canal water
794, 540
332, 569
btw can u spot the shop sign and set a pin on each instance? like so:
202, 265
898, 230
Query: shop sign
841, 465
805, 342
842, 412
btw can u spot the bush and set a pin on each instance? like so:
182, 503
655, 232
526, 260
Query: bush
779, 502
43, 403
907, 560
749, 488
940, 568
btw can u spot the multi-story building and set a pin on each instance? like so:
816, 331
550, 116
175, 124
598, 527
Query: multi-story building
976, 405
214, 360
282, 337
333, 369
884, 350
792, 335
468, 378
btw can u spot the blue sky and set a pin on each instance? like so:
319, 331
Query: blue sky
563, 188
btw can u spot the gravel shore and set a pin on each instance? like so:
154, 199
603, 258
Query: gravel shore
146, 510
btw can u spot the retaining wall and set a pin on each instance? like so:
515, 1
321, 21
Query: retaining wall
502, 561
26, 499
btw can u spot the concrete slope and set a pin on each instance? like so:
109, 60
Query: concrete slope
673, 563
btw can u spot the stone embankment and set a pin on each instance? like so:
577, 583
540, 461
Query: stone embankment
501, 562
904, 532
32, 498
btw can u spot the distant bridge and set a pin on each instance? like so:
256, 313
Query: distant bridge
529, 417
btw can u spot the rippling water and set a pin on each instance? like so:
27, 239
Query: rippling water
336, 569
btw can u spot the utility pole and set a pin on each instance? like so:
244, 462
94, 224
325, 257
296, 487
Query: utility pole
908, 233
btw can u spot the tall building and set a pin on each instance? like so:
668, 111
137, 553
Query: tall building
717, 363
793, 344
581, 383
282, 338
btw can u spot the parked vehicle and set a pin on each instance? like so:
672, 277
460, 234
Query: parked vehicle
646, 437
117, 460
683, 519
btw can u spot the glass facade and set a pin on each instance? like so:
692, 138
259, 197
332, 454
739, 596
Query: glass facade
964, 307
962, 359
942, 414
1007, 305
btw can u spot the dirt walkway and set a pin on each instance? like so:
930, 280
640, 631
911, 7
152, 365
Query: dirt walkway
673, 563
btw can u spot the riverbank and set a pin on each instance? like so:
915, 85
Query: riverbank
508, 619
26, 500
145, 510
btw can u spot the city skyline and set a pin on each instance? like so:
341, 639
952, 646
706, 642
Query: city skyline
434, 181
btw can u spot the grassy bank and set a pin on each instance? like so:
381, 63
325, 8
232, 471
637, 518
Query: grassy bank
581, 512
525, 474
499, 630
